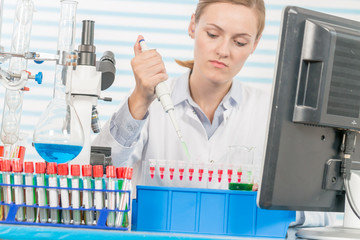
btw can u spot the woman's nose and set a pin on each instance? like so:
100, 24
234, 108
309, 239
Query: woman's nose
222, 49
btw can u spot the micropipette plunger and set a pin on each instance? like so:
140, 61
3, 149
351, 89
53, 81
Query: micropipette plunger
163, 95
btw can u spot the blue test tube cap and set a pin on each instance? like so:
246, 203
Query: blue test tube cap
39, 77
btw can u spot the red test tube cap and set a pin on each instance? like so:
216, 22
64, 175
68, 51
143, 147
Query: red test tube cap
75, 170
40, 167
51, 168
1, 151
110, 171
120, 172
87, 170
128, 174
1, 163
6, 166
29, 167
63, 169
98, 171
17, 167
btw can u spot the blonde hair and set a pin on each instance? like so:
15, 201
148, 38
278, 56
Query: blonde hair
258, 5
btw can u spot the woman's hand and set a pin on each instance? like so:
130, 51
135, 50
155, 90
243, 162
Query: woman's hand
149, 70
255, 187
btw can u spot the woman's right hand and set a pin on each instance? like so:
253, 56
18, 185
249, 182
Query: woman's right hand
149, 70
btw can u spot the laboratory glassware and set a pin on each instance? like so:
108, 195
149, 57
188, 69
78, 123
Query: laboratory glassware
42, 213
14, 95
59, 136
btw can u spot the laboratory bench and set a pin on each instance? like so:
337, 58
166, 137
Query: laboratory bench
9, 232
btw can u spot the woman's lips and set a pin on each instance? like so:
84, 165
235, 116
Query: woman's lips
218, 64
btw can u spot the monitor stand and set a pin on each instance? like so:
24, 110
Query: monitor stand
351, 228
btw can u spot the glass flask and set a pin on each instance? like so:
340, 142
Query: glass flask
59, 136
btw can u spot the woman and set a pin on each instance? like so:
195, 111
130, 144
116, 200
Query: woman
219, 117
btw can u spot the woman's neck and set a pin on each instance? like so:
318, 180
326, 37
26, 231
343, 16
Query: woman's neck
207, 94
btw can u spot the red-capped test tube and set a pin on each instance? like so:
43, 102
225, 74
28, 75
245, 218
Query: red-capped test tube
111, 196
120, 174
6, 169
201, 171
87, 194
29, 191
171, 171
75, 194
162, 170
220, 173
98, 173
51, 170
229, 172
210, 173
18, 191
191, 173
40, 169
239, 173
152, 168
126, 221
63, 172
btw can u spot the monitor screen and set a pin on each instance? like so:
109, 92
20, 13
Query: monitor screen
316, 96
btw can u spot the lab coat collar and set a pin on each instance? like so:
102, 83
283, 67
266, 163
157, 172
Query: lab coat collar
182, 93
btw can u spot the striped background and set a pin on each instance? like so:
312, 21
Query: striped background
164, 25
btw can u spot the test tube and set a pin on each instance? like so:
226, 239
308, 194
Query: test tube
63, 172
111, 198
42, 213
75, 194
152, 164
87, 194
1, 181
171, 170
229, 172
18, 191
239, 173
220, 172
191, 173
6, 168
53, 192
120, 174
29, 191
126, 215
98, 172
181, 170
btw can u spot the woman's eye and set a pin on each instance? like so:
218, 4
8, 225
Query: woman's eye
240, 44
211, 35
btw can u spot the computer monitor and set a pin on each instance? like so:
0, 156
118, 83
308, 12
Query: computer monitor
316, 98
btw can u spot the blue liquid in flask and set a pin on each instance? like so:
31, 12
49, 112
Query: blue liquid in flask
58, 153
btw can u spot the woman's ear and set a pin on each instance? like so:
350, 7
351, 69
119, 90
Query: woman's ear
191, 28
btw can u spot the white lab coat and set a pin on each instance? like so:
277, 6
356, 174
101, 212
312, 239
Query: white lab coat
243, 125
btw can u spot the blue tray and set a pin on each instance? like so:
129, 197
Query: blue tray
206, 211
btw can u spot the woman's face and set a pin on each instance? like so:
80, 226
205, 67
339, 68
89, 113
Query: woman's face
225, 36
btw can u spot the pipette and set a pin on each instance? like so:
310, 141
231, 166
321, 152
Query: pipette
163, 95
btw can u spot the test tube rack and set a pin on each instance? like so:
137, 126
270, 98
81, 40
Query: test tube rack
99, 222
